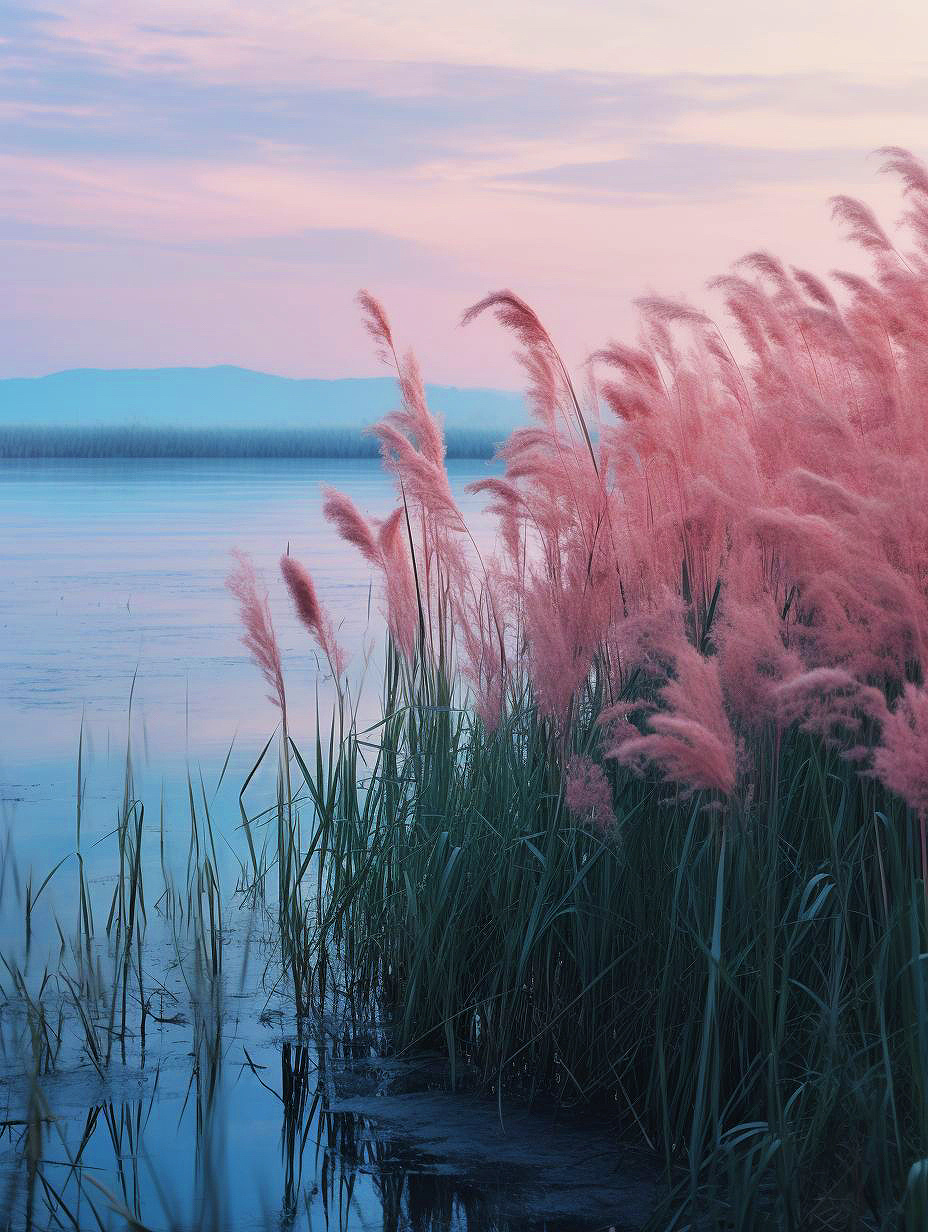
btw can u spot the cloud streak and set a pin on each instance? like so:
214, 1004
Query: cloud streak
146, 150
692, 171
75, 100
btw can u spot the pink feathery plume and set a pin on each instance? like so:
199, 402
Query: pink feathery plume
628, 402
508, 507
484, 662
904, 164
588, 793
402, 602
311, 612
829, 702
416, 418
753, 661
513, 313
690, 740
914, 176
900, 760
756, 313
545, 367
767, 266
259, 636
633, 362
542, 389
423, 481
351, 525
670, 311
377, 325
816, 289
540, 358
862, 223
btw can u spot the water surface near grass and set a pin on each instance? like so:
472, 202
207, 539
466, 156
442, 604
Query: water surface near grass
229, 1112
116, 567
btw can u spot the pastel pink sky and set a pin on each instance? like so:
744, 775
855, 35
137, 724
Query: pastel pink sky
211, 183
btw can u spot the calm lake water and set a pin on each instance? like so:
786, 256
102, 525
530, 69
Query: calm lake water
228, 1113
116, 569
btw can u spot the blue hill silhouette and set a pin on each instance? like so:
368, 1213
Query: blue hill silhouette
234, 398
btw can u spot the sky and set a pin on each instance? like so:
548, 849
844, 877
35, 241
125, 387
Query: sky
194, 183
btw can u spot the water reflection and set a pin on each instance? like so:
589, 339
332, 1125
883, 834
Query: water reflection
114, 1163
113, 567
152, 1073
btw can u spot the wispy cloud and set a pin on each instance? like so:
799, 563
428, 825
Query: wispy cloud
157, 161
74, 98
693, 170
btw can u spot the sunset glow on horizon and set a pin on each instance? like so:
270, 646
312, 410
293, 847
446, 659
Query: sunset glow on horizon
212, 185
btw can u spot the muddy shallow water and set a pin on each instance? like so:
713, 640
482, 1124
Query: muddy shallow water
228, 1118
518, 1170
182, 1091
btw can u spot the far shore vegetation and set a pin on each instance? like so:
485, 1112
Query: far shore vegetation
142, 442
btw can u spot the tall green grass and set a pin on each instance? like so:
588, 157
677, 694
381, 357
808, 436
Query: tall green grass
746, 989
706, 634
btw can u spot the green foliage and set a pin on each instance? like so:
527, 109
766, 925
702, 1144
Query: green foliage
744, 985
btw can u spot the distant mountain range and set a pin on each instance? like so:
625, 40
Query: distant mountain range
234, 398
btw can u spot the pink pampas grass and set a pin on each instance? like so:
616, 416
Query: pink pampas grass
751, 537
351, 525
689, 740
259, 636
311, 612
587, 792
901, 758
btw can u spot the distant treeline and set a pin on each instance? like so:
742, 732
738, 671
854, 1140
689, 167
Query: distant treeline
38, 442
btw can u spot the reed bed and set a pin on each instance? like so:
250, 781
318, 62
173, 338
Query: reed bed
94, 1004
644, 821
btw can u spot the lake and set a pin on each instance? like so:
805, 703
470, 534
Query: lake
221, 1108
115, 569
